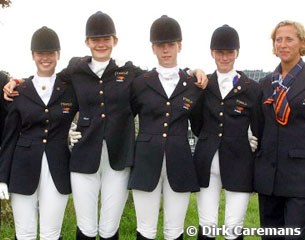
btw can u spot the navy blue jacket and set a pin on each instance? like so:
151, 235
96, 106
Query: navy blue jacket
104, 114
222, 124
33, 128
163, 128
280, 164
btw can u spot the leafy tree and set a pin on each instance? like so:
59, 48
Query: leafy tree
5, 3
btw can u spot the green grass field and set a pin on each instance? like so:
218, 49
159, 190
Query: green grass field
128, 222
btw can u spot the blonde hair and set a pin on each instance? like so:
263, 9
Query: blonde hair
300, 33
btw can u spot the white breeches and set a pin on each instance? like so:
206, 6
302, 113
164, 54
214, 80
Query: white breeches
86, 189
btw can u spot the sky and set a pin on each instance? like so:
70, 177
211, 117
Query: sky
254, 21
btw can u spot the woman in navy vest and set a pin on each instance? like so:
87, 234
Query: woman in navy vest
280, 164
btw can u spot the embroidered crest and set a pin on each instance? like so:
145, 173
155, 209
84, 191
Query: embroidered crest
239, 109
120, 76
187, 103
66, 107
241, 102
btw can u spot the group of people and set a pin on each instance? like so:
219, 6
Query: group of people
249, 136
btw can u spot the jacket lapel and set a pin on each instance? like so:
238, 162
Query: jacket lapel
241, 86
298, 86
152, 80
27, 89
213, 86
83, 66
183, 84
58, 90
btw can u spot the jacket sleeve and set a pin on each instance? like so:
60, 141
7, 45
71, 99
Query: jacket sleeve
257, 117
10, 137
196, 117
136, 70
66, 73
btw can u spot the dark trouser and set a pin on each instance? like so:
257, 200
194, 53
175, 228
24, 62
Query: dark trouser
282, 212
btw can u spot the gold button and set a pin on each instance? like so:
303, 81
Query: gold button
220, 124
103, 115
101, 92
44, 140
102, 104
220, 135
165, 124
101, 81
235, 90
47, 121
164, 135
46, 130
221, 114
221, 103
168, 103
46, 110
167, 114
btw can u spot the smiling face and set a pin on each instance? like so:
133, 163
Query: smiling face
167, 53
45, 62
224, 59
101, 47
287, 44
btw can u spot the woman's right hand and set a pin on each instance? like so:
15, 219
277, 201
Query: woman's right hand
8, 90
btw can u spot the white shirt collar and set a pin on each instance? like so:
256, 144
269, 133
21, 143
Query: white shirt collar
44, 86
98, 67
44, 81
229, 75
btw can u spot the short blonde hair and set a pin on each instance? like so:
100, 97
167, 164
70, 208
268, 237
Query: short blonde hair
300, 32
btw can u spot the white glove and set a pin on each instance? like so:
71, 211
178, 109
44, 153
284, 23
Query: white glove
74, 135
252, 140
3, 191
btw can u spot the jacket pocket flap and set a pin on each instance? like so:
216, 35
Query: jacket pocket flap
144, 138
297, 153
83, 122
24, 142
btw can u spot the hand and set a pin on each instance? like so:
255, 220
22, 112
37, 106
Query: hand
74, 135
9, 92
252, 141
202, 79
3, 191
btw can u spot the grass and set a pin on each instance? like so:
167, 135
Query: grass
128, 221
